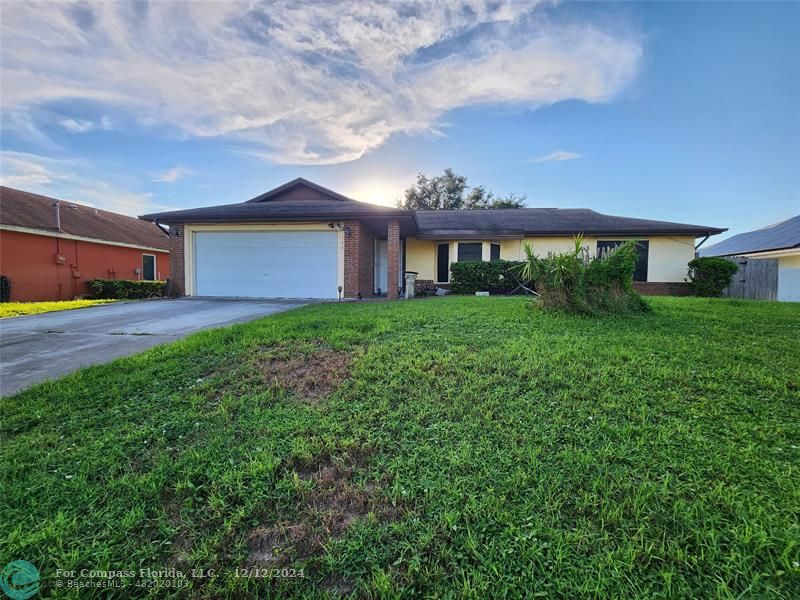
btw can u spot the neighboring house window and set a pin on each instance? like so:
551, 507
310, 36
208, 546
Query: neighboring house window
470, 252
495, 252
148, 267
642, 248
443, 263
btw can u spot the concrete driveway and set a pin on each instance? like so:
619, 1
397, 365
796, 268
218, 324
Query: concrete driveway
46, 346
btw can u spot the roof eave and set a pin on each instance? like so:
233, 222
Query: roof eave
742, 252
183, 218
468, 235
495, 234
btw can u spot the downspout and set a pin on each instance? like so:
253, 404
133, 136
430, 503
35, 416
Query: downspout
703, 241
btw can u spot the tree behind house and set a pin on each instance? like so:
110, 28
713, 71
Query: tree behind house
450, 191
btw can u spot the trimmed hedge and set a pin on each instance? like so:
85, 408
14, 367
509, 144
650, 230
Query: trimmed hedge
496, 277
709, 275
124, 289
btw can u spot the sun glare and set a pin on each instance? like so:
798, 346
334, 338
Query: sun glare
376, 192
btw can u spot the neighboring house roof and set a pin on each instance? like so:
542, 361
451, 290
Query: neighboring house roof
301, 199
779, 236
545, 221
31, 211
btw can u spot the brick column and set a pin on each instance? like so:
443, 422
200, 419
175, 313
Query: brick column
177, 265
352, 258
393, 250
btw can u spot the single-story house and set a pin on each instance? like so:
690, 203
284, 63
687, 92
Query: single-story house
49, 248
303, 240
780, 242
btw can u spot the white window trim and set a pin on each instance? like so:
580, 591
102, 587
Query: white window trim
155, 267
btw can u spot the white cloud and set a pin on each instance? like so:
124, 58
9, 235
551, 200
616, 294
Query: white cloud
77, 125
21, 170
72, 180
172, 175
83, 125
20, 121
556, 156
311, 83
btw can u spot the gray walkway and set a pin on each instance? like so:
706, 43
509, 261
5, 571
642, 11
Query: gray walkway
41, 347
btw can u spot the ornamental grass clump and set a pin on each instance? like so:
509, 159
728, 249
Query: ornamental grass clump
576, 282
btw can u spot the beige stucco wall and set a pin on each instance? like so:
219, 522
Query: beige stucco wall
421, 257
790, 262
542, 246
668, 257
789, 277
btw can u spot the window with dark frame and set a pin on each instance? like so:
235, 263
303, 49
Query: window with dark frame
642, 250
148, 267
495, 252
443, 263
470, 252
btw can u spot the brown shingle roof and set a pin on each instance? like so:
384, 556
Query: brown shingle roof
301, 199
546, 221
297, 200
24, 209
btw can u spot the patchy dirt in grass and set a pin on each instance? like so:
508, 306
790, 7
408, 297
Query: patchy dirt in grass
312, 373
334, 502
181, 540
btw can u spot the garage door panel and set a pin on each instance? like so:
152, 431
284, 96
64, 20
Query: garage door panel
274, 264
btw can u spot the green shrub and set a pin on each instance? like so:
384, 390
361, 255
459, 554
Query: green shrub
709, 275
574, 282
496, 277
124, 289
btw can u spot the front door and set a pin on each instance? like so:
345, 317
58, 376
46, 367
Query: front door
381, 267
381, 272
443, 263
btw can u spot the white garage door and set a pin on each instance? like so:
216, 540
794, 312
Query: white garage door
266, 264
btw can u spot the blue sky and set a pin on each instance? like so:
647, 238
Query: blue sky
677, 111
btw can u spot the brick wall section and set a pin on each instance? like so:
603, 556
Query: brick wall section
177, 265
359, 265
393, 250
366, 263
657, 288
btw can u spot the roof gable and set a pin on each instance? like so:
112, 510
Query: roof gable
300, 190
298, 200
32, 211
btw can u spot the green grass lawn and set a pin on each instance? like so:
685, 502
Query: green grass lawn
18, 309
455, 447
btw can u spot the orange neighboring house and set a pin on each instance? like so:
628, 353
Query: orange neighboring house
50, 248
